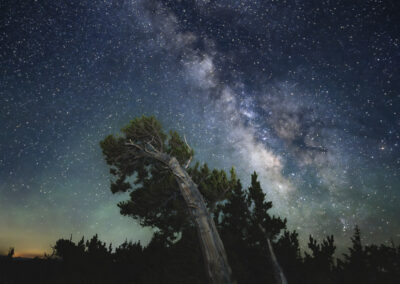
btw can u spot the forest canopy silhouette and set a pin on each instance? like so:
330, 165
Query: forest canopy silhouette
208, 228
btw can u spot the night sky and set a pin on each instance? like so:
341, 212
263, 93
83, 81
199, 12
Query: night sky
307, 93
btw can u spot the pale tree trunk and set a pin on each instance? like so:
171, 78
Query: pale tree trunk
214, 255
278, 272
215, 258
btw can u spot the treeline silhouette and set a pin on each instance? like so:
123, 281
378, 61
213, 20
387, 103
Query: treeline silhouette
179, 260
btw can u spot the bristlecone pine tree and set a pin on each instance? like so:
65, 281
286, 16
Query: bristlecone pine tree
158, 165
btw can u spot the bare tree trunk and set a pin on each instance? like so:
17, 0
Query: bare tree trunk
278, 272
215, 258
214, 255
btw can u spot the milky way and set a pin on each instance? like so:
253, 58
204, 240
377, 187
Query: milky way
305, 94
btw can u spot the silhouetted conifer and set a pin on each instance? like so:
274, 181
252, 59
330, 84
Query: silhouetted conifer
320, 265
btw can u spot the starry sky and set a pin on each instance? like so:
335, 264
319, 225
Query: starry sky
307, 93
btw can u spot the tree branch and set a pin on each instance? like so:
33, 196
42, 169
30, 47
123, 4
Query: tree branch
191, 156
152, 147
158, 137
152, 153
134, 145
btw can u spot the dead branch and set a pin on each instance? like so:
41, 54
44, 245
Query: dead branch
152, 147
133, 144
191, 156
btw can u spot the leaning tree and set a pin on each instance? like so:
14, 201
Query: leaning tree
157, 165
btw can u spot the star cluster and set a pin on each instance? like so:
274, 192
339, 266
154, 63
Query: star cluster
306, 94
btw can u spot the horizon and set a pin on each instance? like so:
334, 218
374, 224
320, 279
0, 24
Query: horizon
32, 253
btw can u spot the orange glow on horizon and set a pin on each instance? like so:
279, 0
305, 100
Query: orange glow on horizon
29, 254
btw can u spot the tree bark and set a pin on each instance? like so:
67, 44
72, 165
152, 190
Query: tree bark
214, 255
215, 258
278, 272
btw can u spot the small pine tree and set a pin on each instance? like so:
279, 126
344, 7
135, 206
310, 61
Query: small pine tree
354, 264
256, 200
